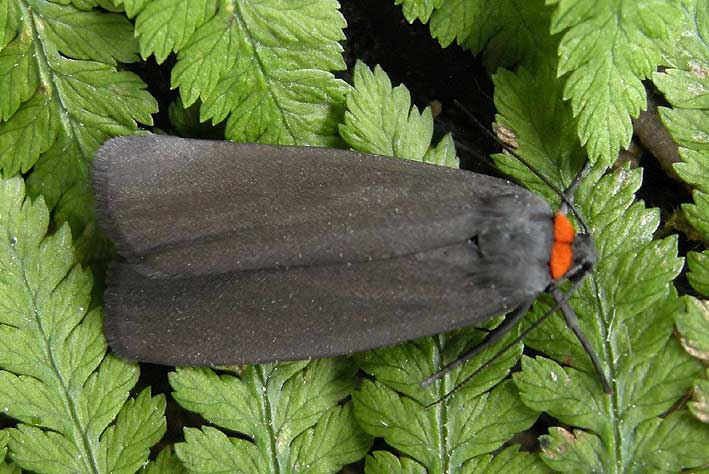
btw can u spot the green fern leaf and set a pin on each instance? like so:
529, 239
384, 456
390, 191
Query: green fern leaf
608, 47
266, 68
290, 412
70, 399
165, 26
418, 9
165, 463
61, 95
685, 87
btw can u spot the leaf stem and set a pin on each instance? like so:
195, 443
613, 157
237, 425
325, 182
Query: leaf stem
268, 417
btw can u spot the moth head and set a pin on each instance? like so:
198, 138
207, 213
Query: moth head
584, 251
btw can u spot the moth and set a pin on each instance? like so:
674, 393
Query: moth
235, 253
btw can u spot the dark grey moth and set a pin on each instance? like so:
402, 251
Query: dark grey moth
245, 253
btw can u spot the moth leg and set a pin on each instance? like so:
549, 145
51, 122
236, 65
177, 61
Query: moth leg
572, 322
495, 335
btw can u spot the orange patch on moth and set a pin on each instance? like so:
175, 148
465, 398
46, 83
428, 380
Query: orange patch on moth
562, 255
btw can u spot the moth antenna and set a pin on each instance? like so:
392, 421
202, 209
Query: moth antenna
565, 199
569, 196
